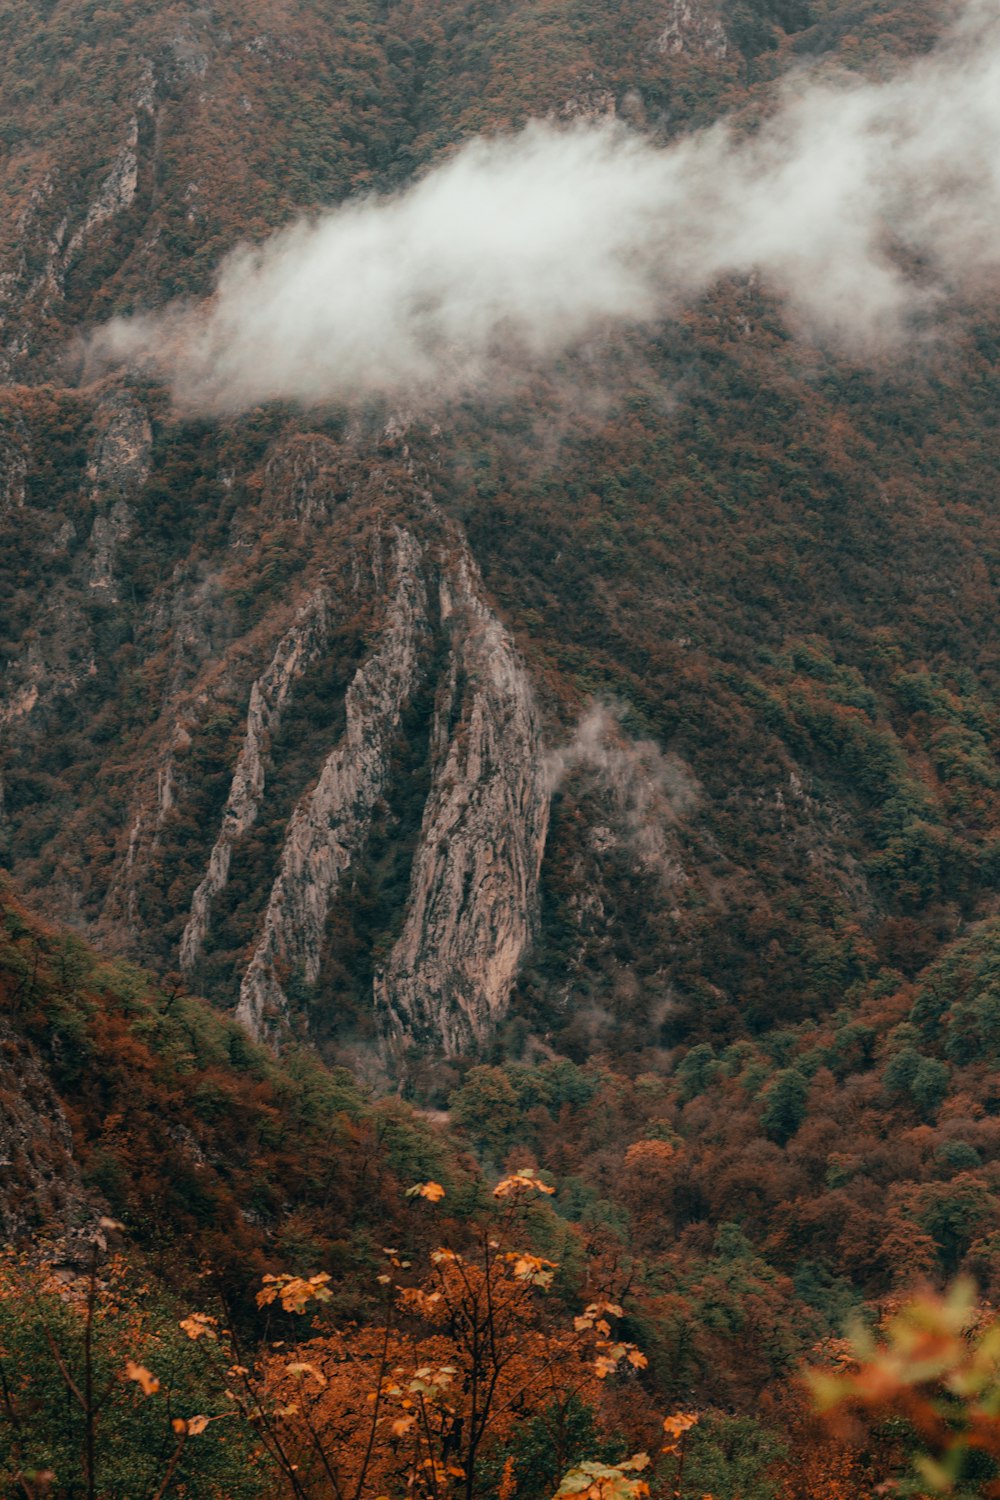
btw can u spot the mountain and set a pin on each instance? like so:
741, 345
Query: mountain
499, 566
650, 699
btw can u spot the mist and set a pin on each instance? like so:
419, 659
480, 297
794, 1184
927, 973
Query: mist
864, 206
645, 792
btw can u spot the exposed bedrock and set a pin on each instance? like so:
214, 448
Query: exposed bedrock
471, 909
295, 651
329, 826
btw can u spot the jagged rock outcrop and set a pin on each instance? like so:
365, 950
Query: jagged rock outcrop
693, 28
115, 195
118, 469
13, 466
59, 655
120, 461
302, 478
108, 531
471, 909
296, 649
45, 248
589, 102
153, 802
329, 826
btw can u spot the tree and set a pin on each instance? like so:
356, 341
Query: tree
785, 1102
101, 1393
464, 1358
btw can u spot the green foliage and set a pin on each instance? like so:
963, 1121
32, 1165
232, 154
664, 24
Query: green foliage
543, 1448
697, 1070
196, 1138
486, 1108
924, 1079
734, 1458
785, 1101
45, 1332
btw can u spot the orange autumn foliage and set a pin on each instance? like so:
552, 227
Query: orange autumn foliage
463, 1356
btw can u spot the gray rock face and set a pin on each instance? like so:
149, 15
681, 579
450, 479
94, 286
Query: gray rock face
328, 828
471, 908
107, 532
693, 28
13, 469
45, 246
296, 649
378, 578
118, 469
120, 461
115, 195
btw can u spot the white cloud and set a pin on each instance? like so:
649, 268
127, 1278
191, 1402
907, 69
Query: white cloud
862, 204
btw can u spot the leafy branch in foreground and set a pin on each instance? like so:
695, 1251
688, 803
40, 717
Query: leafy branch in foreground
928, 1388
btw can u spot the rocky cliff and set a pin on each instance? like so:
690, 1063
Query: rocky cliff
274, 745
473, 896
267, 698
328, 828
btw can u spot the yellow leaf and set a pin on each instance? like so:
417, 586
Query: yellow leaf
521, 1181
142, 1377
199, 1326
196, 1425
294, 1292
432, 1191
304, 1369
679, 1423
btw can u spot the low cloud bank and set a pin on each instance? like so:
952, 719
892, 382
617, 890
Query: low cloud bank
862, 204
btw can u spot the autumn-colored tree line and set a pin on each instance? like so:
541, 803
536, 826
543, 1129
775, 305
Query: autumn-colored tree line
471, 1380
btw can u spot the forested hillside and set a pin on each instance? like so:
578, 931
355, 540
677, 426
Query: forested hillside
571, 754
746, 579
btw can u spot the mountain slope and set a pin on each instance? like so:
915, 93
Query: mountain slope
126, 1099
647, 699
